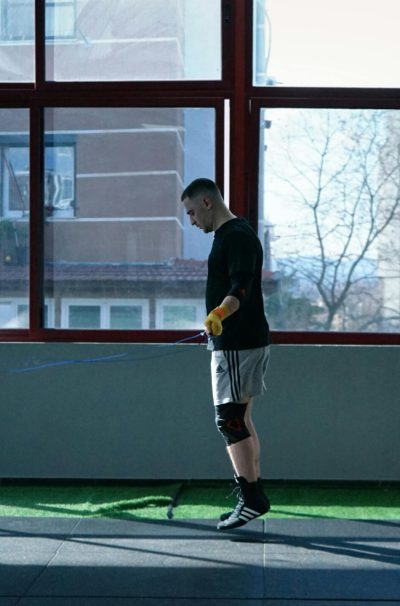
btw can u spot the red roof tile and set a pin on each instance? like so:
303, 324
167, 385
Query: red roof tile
173, 270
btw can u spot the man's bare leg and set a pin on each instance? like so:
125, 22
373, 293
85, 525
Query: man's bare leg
245, 458
256, 442
245, 455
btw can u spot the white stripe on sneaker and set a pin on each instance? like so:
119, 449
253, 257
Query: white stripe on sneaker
251, 511
245, 515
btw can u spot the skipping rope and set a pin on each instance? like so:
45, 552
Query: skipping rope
127, 356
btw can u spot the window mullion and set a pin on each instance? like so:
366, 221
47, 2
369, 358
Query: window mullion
239, 111
40, 43
36, 231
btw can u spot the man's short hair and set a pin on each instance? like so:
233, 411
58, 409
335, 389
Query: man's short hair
201, 186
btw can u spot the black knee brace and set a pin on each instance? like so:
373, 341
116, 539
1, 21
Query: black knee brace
229, 419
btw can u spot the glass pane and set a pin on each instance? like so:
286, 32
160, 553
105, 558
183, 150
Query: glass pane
17, 20
14, 218
84, 316
330, 219
23, 315
349, 43
16, 180
17, 40
13, 314
60, 20
127, 237
125, 317
135, 40
179, 316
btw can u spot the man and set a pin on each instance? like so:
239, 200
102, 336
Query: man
238, 337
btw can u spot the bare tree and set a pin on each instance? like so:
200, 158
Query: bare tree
342, 174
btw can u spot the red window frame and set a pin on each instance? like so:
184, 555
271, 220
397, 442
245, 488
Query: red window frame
245, 102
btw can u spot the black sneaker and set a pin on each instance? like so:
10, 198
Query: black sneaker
251, 505
237, 492
225, 516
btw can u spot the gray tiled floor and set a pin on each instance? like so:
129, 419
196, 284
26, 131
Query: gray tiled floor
65, 562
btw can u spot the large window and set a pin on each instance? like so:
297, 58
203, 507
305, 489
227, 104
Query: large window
127, 236
109, 109
328, 172
134, 40
331, 218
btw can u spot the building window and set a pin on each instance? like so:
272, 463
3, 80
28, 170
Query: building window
180, 313
59, 185
14, 312
118, 314
128, 316
60, 19
17, 20
15, 181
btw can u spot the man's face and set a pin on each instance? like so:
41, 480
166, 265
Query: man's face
199, 211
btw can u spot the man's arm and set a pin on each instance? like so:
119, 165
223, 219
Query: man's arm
232, 303
241, 283
213, 322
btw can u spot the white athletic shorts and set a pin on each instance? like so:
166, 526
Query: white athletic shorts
237, 375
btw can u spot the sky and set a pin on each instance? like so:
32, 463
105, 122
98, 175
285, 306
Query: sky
334, 42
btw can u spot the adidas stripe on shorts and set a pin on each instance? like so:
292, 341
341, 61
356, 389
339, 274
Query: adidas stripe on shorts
237, 375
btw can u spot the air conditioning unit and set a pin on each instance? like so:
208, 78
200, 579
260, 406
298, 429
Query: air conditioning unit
58, 192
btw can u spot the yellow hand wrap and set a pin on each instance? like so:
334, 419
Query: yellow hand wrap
213, 321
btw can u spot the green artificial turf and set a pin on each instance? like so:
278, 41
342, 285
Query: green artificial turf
150, 501
302, 501
196, 500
